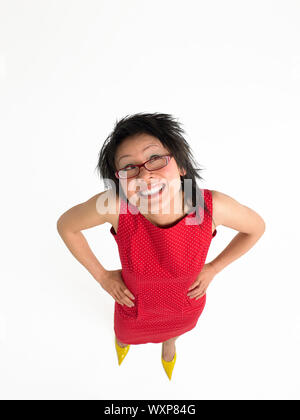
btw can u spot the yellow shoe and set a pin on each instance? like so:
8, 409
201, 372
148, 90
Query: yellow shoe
121, 351
169, 366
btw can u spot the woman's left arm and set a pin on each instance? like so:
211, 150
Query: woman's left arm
250, 225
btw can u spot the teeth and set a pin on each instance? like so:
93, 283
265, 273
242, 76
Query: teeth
153, 191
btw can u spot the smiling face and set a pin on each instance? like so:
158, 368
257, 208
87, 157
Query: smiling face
137, 150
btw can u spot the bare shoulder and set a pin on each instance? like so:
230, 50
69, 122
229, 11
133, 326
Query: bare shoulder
108, 204
228, 211
101, 208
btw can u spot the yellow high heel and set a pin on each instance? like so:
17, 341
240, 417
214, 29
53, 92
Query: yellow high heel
121, 351
168, 366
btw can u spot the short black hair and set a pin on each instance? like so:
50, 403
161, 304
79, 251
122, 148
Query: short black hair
169, 132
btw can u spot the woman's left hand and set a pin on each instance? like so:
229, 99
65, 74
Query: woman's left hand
198, 288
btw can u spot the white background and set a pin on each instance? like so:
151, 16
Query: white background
230, 72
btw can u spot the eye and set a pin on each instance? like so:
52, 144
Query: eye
130, 165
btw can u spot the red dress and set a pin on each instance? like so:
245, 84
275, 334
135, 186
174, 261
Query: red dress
159, 264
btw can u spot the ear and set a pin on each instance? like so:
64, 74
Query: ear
182, 172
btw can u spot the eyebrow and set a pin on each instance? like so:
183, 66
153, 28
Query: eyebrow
149, 145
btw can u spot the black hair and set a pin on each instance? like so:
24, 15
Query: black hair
169, 132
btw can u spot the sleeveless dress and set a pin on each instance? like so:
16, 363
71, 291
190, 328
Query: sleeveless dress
159, 264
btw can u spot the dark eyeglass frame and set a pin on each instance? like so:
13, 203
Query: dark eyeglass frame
169, 156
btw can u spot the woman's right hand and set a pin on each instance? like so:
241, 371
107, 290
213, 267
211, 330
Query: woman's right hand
113, 283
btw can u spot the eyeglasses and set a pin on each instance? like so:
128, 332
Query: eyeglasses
153, 164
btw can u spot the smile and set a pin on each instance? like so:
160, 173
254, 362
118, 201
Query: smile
153, 192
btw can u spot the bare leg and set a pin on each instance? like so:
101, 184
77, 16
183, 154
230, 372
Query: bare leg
168, 349
121, 344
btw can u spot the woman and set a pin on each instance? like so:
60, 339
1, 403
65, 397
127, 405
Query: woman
163, 224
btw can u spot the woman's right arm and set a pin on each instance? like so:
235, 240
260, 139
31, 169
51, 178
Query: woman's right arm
69, 226
84, 216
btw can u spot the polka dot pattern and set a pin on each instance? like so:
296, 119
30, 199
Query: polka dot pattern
159, 264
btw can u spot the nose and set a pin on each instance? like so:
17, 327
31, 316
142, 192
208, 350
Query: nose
145, 177
144, 173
